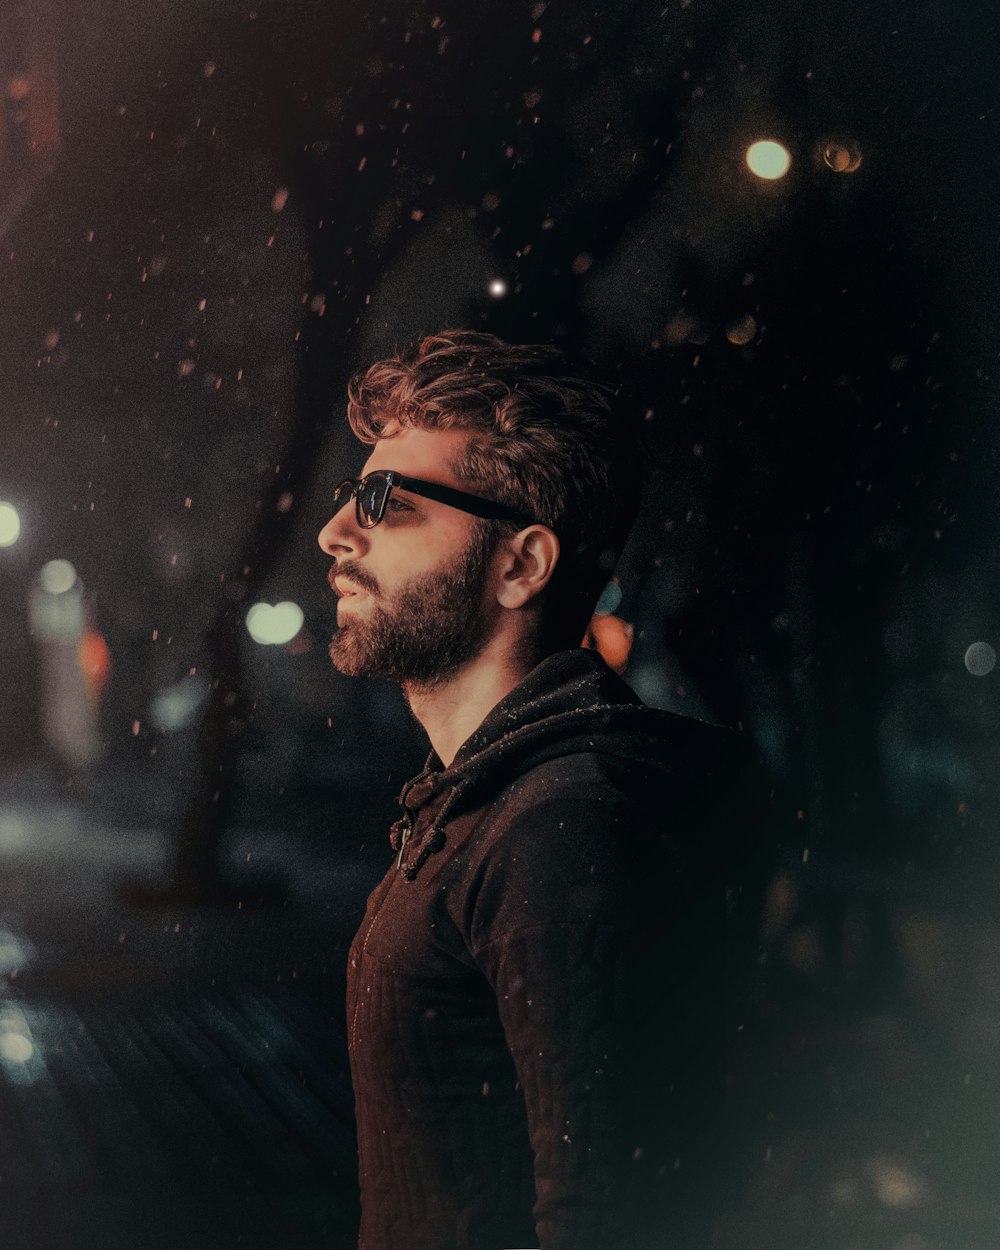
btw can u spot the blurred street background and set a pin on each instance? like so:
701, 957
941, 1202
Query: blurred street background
773, 228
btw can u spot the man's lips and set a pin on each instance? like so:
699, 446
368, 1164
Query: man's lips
343, 588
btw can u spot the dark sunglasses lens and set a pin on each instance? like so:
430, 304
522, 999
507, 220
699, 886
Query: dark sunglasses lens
371, 499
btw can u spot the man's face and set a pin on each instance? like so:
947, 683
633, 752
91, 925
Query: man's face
414, 604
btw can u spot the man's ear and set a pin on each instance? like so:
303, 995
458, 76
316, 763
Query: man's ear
526, 563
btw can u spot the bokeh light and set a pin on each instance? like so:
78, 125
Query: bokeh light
768, 159
498, 288
612, 637
13, 954
610, 600
57, 577
10, 524
980, 659
679, 329
742, 330
15, 1047
843, 156
175, 707
896, 1183
274, 625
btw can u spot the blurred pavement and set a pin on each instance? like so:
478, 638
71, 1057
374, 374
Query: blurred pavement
170, 1076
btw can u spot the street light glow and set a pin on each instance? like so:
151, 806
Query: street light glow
498, 288
768, 159
10, 524
57, 577
274, 625
15, 1047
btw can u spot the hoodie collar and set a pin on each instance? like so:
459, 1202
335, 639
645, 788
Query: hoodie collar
571, 702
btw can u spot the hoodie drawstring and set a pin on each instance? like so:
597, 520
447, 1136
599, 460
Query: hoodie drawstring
435, 838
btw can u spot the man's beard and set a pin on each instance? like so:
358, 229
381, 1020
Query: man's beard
425, 631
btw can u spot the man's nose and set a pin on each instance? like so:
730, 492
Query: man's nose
341, 535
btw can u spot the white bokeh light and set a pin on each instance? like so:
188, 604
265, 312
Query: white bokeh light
176, 706
10, 524
274, 625
498, 288
15, 1047
768, 159
57, 577
980, 659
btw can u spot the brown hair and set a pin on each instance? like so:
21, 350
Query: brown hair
547, 440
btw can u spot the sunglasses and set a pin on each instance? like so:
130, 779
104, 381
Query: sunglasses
371, 495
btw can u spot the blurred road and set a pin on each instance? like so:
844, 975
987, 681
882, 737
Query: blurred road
170, 1076
176, 1076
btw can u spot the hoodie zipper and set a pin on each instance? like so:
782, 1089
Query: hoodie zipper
361, 961
404, 837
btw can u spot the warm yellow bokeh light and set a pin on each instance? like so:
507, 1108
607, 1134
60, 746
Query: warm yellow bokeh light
768, 159
742, 330
842, 158
18, 87
679, 329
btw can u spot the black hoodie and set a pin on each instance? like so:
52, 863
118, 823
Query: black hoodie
534, 996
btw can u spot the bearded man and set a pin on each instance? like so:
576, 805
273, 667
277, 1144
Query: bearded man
535, 994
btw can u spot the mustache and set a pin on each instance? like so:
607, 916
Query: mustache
352, 574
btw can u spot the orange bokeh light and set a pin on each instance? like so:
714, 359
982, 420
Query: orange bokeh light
612, 637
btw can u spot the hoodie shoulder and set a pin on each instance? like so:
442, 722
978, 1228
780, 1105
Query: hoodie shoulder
572, 703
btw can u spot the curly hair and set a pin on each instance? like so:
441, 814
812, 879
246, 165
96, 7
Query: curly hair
546, 440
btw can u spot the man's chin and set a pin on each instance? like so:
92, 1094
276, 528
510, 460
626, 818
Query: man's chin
357, 661
345, 658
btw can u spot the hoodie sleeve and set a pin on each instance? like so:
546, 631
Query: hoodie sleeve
605, 1005
552, 987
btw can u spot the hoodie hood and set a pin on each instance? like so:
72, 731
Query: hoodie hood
569, 703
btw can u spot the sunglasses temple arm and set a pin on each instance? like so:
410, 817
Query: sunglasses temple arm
463, 501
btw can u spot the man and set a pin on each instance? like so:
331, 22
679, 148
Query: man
534, 996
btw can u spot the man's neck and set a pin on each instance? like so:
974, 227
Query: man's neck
453, 710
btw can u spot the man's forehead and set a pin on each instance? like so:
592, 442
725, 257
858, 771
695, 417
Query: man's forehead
419, 453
